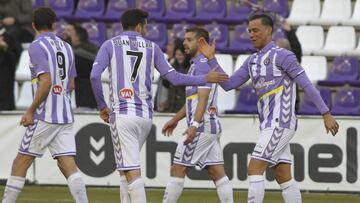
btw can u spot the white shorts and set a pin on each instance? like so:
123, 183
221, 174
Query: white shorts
128, 135
273, 146
205, 150
59, 138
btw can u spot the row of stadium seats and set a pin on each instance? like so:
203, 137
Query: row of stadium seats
339, 40
333, 12
202, 11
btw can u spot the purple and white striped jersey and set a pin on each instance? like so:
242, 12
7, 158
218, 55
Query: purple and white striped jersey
273, 72
131, 60
50, 54
210, 123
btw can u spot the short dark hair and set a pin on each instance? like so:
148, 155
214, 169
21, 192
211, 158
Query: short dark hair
200, 32
132, 17
81, 33
44, 18
265, 19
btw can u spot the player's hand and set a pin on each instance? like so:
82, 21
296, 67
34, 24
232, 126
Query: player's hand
190, 134
8, 21
330, 124
207, 50
105, 114
169, 127
216, 77
28, 118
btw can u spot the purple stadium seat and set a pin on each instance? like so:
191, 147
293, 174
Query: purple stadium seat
156, 8
179, 10
246, 103
62, 8
238, 12
115, 9
345, 69
241, 42
178, 30
347, 102
37, 3
59, 27
89, 9
307, 107
280, 7
209, 11
116, 29
278, 33
155, 32
96, 31
220, 33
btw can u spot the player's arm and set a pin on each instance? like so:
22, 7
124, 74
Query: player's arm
297, 73
172, 123
101, 62
175, 78
42, 91
237, 79
203, 96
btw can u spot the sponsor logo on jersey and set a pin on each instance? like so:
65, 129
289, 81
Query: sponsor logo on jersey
57, 89
266, 61
126, 93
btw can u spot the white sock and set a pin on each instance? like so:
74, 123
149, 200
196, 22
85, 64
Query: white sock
256, 189
137, 191
14, 185
124, 190
77, 188
224, 190
173, 190
290, 192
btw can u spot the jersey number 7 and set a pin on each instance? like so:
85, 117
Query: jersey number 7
138, 56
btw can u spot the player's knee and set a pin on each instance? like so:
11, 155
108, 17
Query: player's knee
216, 172
281, 177
178, 170
66, 165
21, 164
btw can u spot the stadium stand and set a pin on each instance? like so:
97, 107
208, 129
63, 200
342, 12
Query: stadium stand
307, 107
209, 11
315, 67
355, 18
219, 32
179, 10
344, 70
63, 8
114, 10
311, 38
246, 102
89, 9
156, 8
333, 12
347, 102
303, 11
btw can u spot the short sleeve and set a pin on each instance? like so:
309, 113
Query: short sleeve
38, 59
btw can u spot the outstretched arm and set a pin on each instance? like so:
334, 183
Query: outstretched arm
237, 79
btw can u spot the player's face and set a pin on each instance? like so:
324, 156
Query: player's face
190, 44
259, 33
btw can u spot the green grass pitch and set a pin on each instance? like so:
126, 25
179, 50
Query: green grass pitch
60, 194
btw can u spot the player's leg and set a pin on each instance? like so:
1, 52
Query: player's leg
124, 188
63, 148
214, 163
16, 181
32, 145
224, 188
282, 171
175, 185
128, 135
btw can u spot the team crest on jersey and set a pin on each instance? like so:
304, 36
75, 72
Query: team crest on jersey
212, 110
57, 89
266, 61
126, 93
